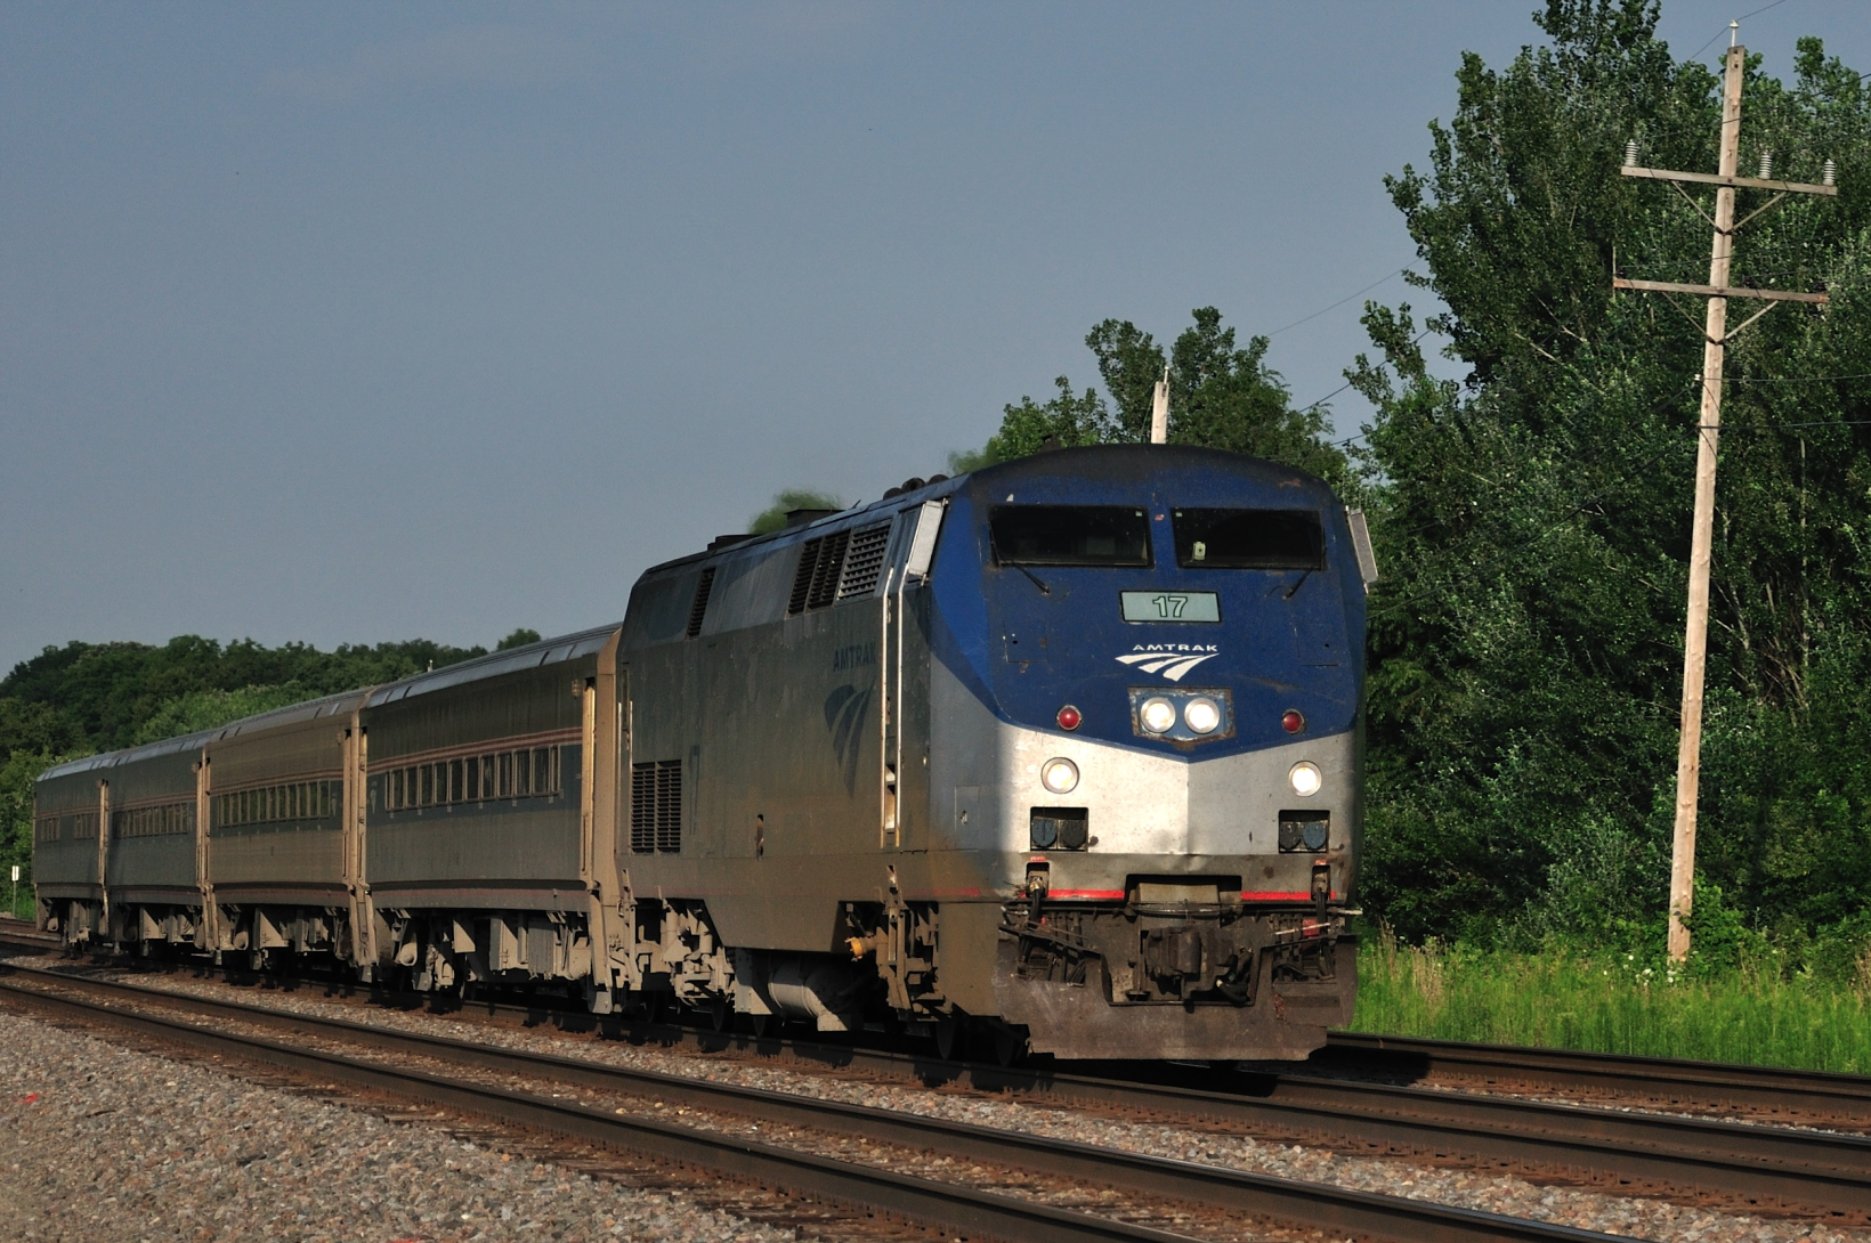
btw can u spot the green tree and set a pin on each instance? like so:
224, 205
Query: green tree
519, 638
98, 696
1222, 395
1533, 516
210, 709
1067, 420
18, 772
27, 726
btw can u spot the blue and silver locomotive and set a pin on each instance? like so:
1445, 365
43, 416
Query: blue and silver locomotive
1065, 751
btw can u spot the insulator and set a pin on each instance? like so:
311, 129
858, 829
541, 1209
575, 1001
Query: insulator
1831, 173
1630, 154
1767, 163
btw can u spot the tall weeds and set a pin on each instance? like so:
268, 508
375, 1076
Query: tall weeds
1572, 999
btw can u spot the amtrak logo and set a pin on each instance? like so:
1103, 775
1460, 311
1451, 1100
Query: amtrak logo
845, 710
1172, 661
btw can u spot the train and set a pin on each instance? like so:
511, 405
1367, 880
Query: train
1061, 755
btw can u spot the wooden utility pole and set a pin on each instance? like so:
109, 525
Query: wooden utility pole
1159, 410
1716, 334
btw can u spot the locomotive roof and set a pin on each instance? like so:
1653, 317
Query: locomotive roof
1093, 463
1121, 463
804, 530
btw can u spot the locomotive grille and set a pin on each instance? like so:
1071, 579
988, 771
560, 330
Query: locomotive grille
865, 560
831, 565
821, 562
802, 581
656, 807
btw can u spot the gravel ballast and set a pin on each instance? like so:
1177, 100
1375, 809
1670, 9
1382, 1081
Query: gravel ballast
103, 1142
406, 1170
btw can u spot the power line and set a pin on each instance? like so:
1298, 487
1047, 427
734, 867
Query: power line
1705, 47
1348, 297
1518, 551
1486, 567
1724, 30
1347, 384
1335, 392
1757, 12
1796, 379
1781, 427
1687, 382
1696, 381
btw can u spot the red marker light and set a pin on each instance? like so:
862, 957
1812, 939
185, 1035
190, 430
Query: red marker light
1069, 718
1292, 722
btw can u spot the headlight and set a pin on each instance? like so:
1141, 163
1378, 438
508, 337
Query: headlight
1158, 715
1202, 715
1059, 775
1305, 778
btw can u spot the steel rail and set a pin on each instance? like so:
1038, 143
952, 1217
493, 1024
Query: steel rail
1700, 1084
1687, 1084
1763, 1166
1758, 1166
1306, 1205
1737, 1162
15, 932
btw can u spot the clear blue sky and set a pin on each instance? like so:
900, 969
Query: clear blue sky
353, 323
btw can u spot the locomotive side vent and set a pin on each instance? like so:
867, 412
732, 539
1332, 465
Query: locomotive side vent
656, 807
831, 565
821, 563
865, 560
802, 581
699, 609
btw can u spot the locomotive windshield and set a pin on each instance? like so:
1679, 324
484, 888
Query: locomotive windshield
1249, 539
1069, 535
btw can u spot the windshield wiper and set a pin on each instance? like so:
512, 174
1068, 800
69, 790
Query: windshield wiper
1300, 582
1044, 590
993, 547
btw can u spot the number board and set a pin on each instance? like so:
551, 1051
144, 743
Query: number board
1171, 606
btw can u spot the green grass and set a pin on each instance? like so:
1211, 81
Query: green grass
1568, 999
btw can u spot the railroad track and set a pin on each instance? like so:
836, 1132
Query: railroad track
1805, 1097
1165, 1189
1743, 1167
1767, 1092
22, 935
1813, 1175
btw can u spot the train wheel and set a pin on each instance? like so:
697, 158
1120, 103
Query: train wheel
948, 1032
1008, 1043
